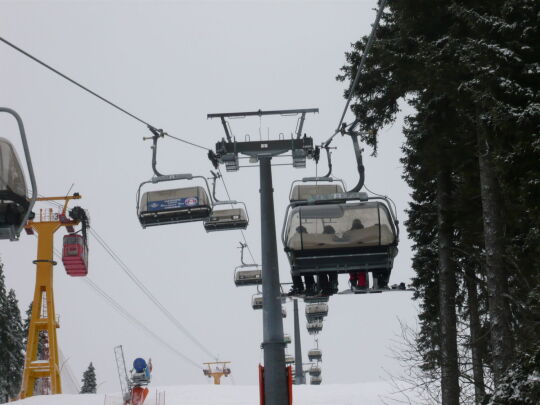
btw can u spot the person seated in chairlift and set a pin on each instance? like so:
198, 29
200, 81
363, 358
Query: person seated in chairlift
357, 279
298, 285
328, 282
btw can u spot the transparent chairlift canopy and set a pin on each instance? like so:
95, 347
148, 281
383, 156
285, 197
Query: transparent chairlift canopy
339, 226
302, 192
171, 206
12, 180
226, 219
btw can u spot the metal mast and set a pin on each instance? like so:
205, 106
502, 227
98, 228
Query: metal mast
299, 377
275, 377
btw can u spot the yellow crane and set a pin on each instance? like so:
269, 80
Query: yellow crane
43, 318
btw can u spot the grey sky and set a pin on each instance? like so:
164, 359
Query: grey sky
172, 63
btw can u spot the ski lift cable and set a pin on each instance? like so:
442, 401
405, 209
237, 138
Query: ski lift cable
134, 321
241, 231
69, 79
149, 294
359, 70
130, 318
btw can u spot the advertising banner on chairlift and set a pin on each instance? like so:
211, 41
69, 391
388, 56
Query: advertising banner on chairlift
173, 203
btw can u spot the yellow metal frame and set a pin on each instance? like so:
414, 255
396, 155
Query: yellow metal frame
216, 374
43, 318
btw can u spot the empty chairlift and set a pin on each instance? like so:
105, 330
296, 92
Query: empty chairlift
314, 327
287, 339
315, 370
316, 311
226, 219
315, 354
289, 359
315, 380
247, 274
173, 206
75, 255
15, 205
257, 301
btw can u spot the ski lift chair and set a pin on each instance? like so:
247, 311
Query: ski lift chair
315, 354
173, 206
314, 328
315, 370
342, 233
257, 301
289, 359
315, 380
227, 219
15, 206
247, 274
287, 339
316, 311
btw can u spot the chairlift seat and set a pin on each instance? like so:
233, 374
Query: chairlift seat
247, 277
14, 202
226, 219
315, 354
173, 206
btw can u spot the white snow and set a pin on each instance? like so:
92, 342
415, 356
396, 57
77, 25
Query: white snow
372, 393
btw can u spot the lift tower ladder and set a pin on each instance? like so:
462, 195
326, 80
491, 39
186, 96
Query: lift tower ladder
125, 385
227, 151
43, 318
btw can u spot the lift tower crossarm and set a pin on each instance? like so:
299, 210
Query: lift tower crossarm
260, 113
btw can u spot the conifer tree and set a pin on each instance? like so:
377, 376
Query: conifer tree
89, 385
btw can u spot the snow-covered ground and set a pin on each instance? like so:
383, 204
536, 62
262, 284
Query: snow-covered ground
374, 393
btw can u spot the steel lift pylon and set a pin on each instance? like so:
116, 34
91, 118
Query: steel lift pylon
43, 316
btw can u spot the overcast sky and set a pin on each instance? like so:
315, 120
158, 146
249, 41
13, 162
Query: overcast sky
171, 63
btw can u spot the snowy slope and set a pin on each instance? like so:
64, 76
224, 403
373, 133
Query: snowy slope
336, 394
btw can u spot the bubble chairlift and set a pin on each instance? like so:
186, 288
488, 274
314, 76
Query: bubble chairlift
257, 301
247, 274
314, 370
226, 219
315, 380
339, 232
315, 327
315, 312
172, 206
315, 354
289, 359
15, 205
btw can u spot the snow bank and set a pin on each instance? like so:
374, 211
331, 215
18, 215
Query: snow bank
335, 394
